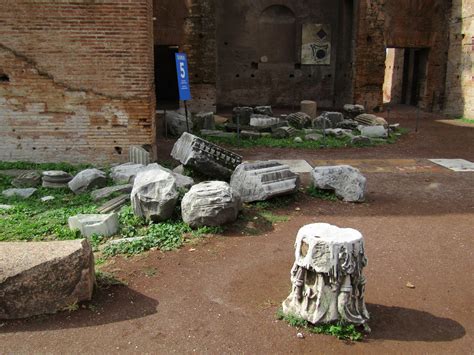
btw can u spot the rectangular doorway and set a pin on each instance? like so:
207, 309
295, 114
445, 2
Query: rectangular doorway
405, 75
166, 81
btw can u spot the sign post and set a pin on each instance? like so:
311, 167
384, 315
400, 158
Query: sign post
183, 82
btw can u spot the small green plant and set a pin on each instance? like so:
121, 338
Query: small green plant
466, 120
72, 307
327, 195
105, 280
340, 330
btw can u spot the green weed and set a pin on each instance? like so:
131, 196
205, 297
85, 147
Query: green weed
327, 195
339, 330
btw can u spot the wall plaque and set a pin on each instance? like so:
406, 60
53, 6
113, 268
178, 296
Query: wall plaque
316, 44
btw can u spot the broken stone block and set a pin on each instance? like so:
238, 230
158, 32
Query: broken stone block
321, 122
107, 191
263, 121
138, 155
347, 182
204, 120
263, 110
125, 173
310, 108
327, 278
334, 117
211, 203
284, 132
220, 120
154, 195
56, 179
361, 140
44, 277
22, 193
373, 131
182, 181
114, 205
104, 225
47, 198
205, 157
86, 180
299, 120
263, 180
250, 135
298, 140
176, 123
215, 133
27, 179
338, 132
6, 207
352, 111
242, 115
347, 124
313, 137
370, 120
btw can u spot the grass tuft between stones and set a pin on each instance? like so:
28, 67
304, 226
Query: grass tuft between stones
341, 331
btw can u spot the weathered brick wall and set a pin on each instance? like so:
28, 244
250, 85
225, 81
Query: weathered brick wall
460, 77
77, 79
401, 24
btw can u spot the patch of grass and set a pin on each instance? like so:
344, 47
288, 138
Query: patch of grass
339, 330
276, 202
466, 120
105, 280
327, 195
21, 165
273, 218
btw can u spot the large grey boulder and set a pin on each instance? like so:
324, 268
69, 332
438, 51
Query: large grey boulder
125, 173
347, 182
104, 225
45, 277
204, 120
212, 203
242, 115
373, 131
87, 180
154, 195
352, 111
176, 123
110, 190
333, 117
205, 157
299, 120
263, 110
182, 181
263, 180
22, 193
27, 179
263, 121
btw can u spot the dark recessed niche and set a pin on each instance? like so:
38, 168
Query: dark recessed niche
254, 65
196, 75
226, 43
369, 39
297, 66
237, 75
118, 150
201, 35
310, 76
34, 148
4, 78
252, 75
292, 75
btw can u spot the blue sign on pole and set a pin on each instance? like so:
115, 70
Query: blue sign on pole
183, 76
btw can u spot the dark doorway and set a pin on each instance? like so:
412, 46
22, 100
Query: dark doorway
166, 81
405, 75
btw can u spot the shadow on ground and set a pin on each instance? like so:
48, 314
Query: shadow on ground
403, 324
111, 305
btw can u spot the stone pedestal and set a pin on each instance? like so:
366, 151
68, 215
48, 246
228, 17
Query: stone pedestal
310, 108
327, 280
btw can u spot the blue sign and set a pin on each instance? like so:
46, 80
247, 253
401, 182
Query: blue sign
183, 76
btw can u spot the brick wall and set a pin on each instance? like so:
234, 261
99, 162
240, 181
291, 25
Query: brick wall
76, 79
460, 78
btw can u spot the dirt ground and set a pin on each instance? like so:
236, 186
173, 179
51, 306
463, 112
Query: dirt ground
221, 295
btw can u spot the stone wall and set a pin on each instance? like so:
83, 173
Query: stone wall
421, 24
76, 79
460, 78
